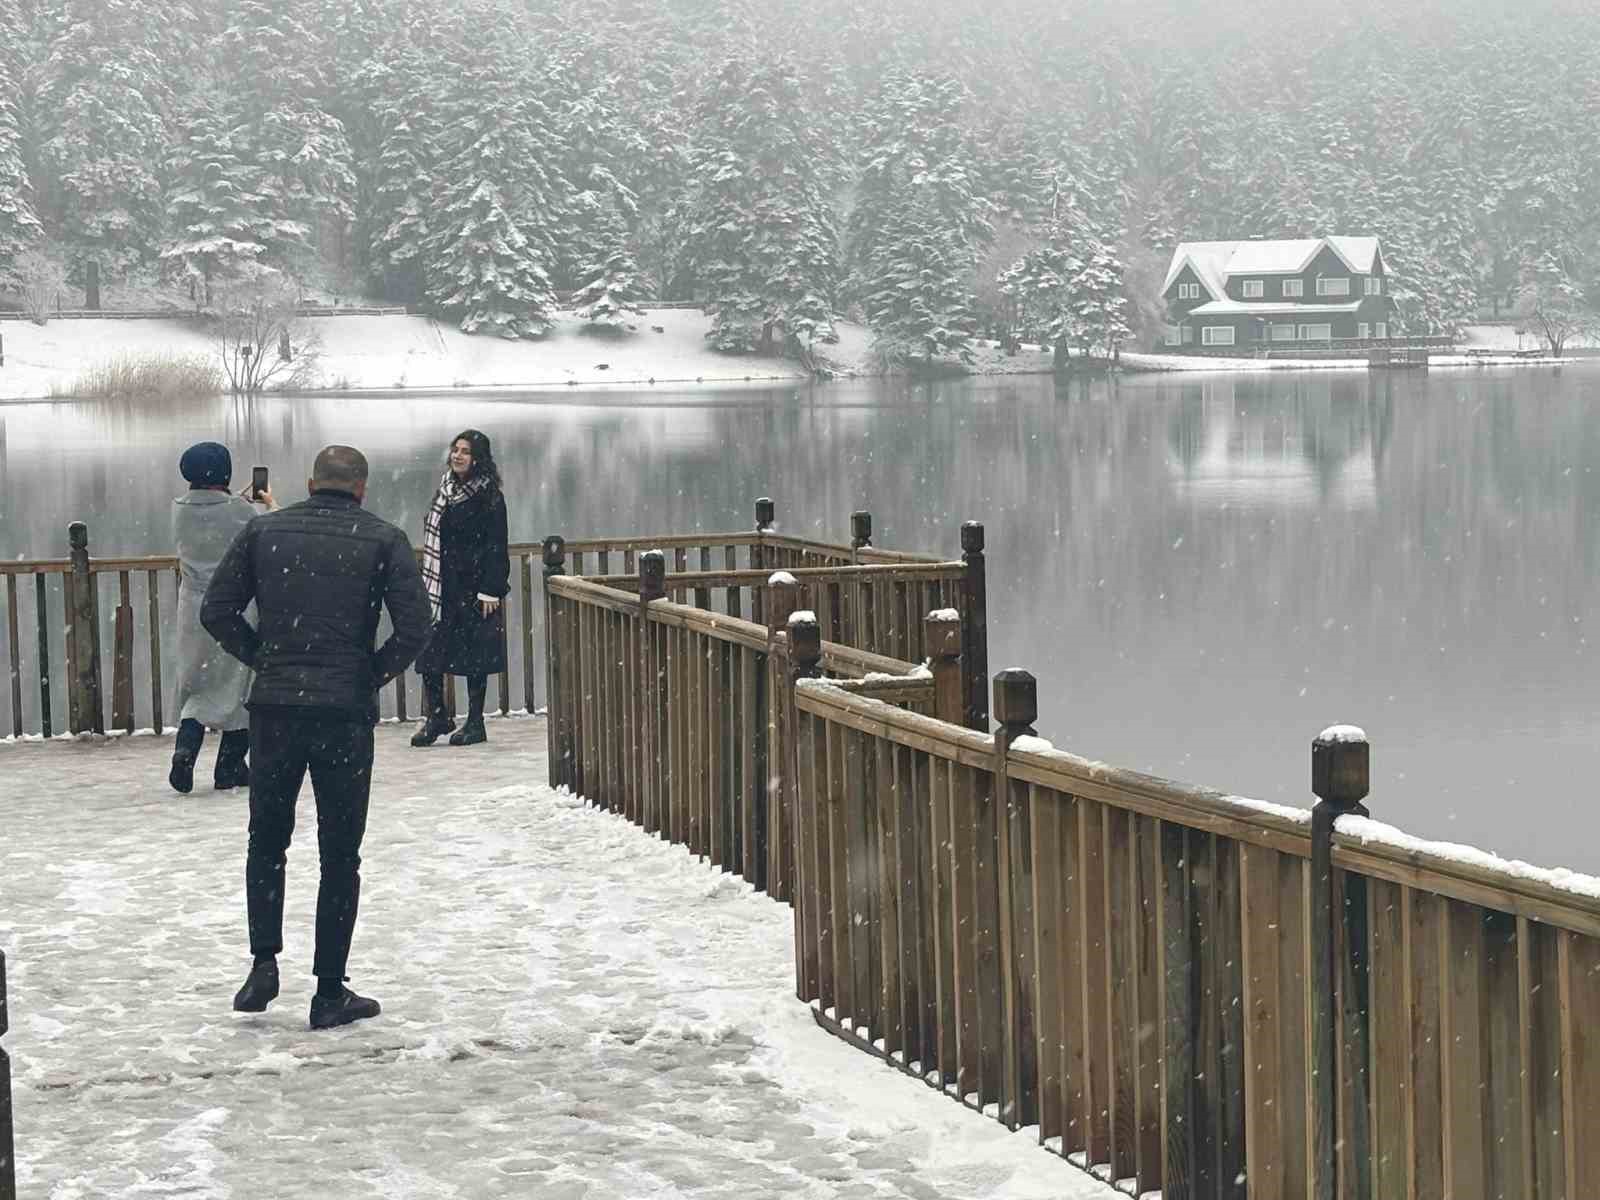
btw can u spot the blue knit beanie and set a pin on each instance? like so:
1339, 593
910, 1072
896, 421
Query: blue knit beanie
206, 464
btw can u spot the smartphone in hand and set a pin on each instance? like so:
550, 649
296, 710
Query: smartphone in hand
258, 482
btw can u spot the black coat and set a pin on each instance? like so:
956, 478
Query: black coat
320, 572
473, 562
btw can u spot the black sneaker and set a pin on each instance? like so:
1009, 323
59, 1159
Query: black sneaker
181, 777
432, 730
329, 1011
260, 988
471, 734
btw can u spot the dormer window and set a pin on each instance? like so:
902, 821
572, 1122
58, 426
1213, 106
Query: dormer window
1337, 286
1188, 291
1294, 288
1374, 285
1254, 289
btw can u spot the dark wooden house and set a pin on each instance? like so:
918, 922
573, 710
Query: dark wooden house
1305, 293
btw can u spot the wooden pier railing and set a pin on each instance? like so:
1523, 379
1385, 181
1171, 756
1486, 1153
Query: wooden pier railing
89, 644
1186, 993
700, 696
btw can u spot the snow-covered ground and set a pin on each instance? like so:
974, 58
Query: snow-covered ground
571, 1008
417, 353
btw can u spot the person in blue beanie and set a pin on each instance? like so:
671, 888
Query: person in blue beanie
212, 685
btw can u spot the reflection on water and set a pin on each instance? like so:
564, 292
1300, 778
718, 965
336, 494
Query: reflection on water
1202, 572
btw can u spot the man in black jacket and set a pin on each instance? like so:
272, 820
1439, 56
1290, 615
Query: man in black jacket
319, 573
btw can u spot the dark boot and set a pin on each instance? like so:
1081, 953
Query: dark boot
260, 988
473, 731
436, 721
185, 749
328, 1011
231, 770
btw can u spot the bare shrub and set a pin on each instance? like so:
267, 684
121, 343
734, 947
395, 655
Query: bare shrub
133, 376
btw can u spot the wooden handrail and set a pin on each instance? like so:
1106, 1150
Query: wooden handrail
867, 573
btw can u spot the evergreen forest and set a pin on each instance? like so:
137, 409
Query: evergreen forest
932, 170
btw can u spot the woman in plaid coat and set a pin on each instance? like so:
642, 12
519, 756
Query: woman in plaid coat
467, 570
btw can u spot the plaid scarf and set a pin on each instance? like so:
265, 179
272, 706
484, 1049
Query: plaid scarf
451, 491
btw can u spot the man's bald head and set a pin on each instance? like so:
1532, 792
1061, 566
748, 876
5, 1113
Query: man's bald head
341, 469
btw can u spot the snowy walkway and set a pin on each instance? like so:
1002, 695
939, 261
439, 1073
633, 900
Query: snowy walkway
570, 1008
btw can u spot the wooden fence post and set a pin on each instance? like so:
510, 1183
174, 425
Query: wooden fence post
1340, 761
803, 645
88, 710
652, 696
943, 636
772, 789
1016, 707
8, 1153
860, 533
974, 629
554, 554
760, 559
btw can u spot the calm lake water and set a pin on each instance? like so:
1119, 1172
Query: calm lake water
1201, 571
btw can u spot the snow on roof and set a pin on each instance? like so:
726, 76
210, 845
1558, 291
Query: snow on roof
1257, 308
1214, 262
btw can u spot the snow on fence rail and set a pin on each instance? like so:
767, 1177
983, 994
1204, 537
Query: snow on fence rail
1185, 992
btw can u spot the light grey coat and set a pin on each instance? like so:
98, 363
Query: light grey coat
212, 684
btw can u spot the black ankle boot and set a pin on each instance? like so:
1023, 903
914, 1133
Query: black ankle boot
185, 749
260, 988
437, 722
473, 731
231, 770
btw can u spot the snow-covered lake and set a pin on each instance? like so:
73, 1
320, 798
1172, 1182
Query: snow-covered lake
1202, 572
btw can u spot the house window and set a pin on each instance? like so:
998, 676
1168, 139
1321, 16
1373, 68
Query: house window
1216, 335
1174, 336
1373, 285
1383, 329
1254, 289
1188, 291
1363, 330
1338, 286
1316, 333
1281, 333
1294, 287
1188, 335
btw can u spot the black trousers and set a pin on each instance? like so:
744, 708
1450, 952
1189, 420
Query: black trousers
338, 753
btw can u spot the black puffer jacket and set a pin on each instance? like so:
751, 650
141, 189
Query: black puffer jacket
320, 572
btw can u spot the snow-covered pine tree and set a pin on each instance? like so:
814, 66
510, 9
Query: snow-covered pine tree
499, 195
402, 179
918, 221
103, 132
759, 234
217, 224
295, 150
610, 287
19, 225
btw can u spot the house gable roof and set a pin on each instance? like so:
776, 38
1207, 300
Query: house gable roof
1216, 262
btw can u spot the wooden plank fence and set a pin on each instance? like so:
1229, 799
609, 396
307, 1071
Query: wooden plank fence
1181, 992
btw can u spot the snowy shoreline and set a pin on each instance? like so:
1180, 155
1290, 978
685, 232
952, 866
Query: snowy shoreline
410, 355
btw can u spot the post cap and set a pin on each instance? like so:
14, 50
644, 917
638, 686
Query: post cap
1016, 698
555, 550
765, 512
1341, 765
972, 537
860, 528
805, 636
941, 630
652, 575
78, 535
